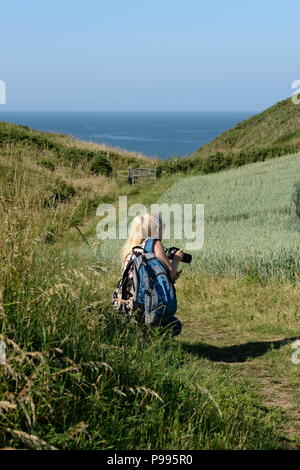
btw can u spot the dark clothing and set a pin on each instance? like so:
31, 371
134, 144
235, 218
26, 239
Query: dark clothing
174, 324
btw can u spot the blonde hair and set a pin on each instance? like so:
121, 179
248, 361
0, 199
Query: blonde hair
142, 227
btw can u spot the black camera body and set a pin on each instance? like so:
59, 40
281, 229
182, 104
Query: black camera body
170, 252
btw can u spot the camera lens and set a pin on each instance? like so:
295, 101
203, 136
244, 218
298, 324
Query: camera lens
187, 258
170, 252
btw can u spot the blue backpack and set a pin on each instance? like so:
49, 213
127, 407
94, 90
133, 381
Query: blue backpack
154, 295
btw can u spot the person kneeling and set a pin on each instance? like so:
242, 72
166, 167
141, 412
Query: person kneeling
146, 288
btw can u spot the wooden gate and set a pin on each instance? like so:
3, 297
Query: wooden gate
141, 175
137, 175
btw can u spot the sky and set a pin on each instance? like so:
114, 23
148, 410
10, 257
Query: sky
148, 55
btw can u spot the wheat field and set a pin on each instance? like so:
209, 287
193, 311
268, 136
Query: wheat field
250, 221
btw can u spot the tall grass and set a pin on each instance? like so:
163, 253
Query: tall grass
76, 375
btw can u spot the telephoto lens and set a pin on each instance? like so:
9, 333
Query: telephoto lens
170, 252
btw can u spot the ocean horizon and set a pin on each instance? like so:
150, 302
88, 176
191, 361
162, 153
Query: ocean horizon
161, 134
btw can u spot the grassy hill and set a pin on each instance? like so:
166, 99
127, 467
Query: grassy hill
272, 133
77, 375
60, 177
276, 126
51, 149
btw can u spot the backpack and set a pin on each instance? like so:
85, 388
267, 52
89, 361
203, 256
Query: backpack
154, 294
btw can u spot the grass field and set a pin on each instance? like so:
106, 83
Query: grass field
77, 376
251, 224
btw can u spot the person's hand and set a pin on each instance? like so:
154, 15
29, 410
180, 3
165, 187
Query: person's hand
177, 275
178, 255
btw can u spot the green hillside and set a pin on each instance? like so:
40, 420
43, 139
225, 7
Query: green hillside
278, 125
49, 149
60, 178
77, 375
272, 133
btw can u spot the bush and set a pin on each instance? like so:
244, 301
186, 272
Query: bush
10, 134
100, 165
73, 155
220, 161
60, 191
45, 163
174, 165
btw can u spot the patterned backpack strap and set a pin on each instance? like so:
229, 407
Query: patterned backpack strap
138, 247
123, 280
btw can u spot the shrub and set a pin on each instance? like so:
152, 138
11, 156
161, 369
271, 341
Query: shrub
19, 134
60, 191
174, 165
220, 161
45, 163
74, 155
100, 165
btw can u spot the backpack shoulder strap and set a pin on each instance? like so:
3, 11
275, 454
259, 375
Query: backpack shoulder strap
149, 245
126, 270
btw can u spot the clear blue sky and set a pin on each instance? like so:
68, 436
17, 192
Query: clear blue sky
148, 54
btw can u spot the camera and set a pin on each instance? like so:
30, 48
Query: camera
170, 252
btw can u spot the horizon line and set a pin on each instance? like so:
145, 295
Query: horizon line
132, 110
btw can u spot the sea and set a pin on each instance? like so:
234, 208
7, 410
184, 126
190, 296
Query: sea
155, 134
